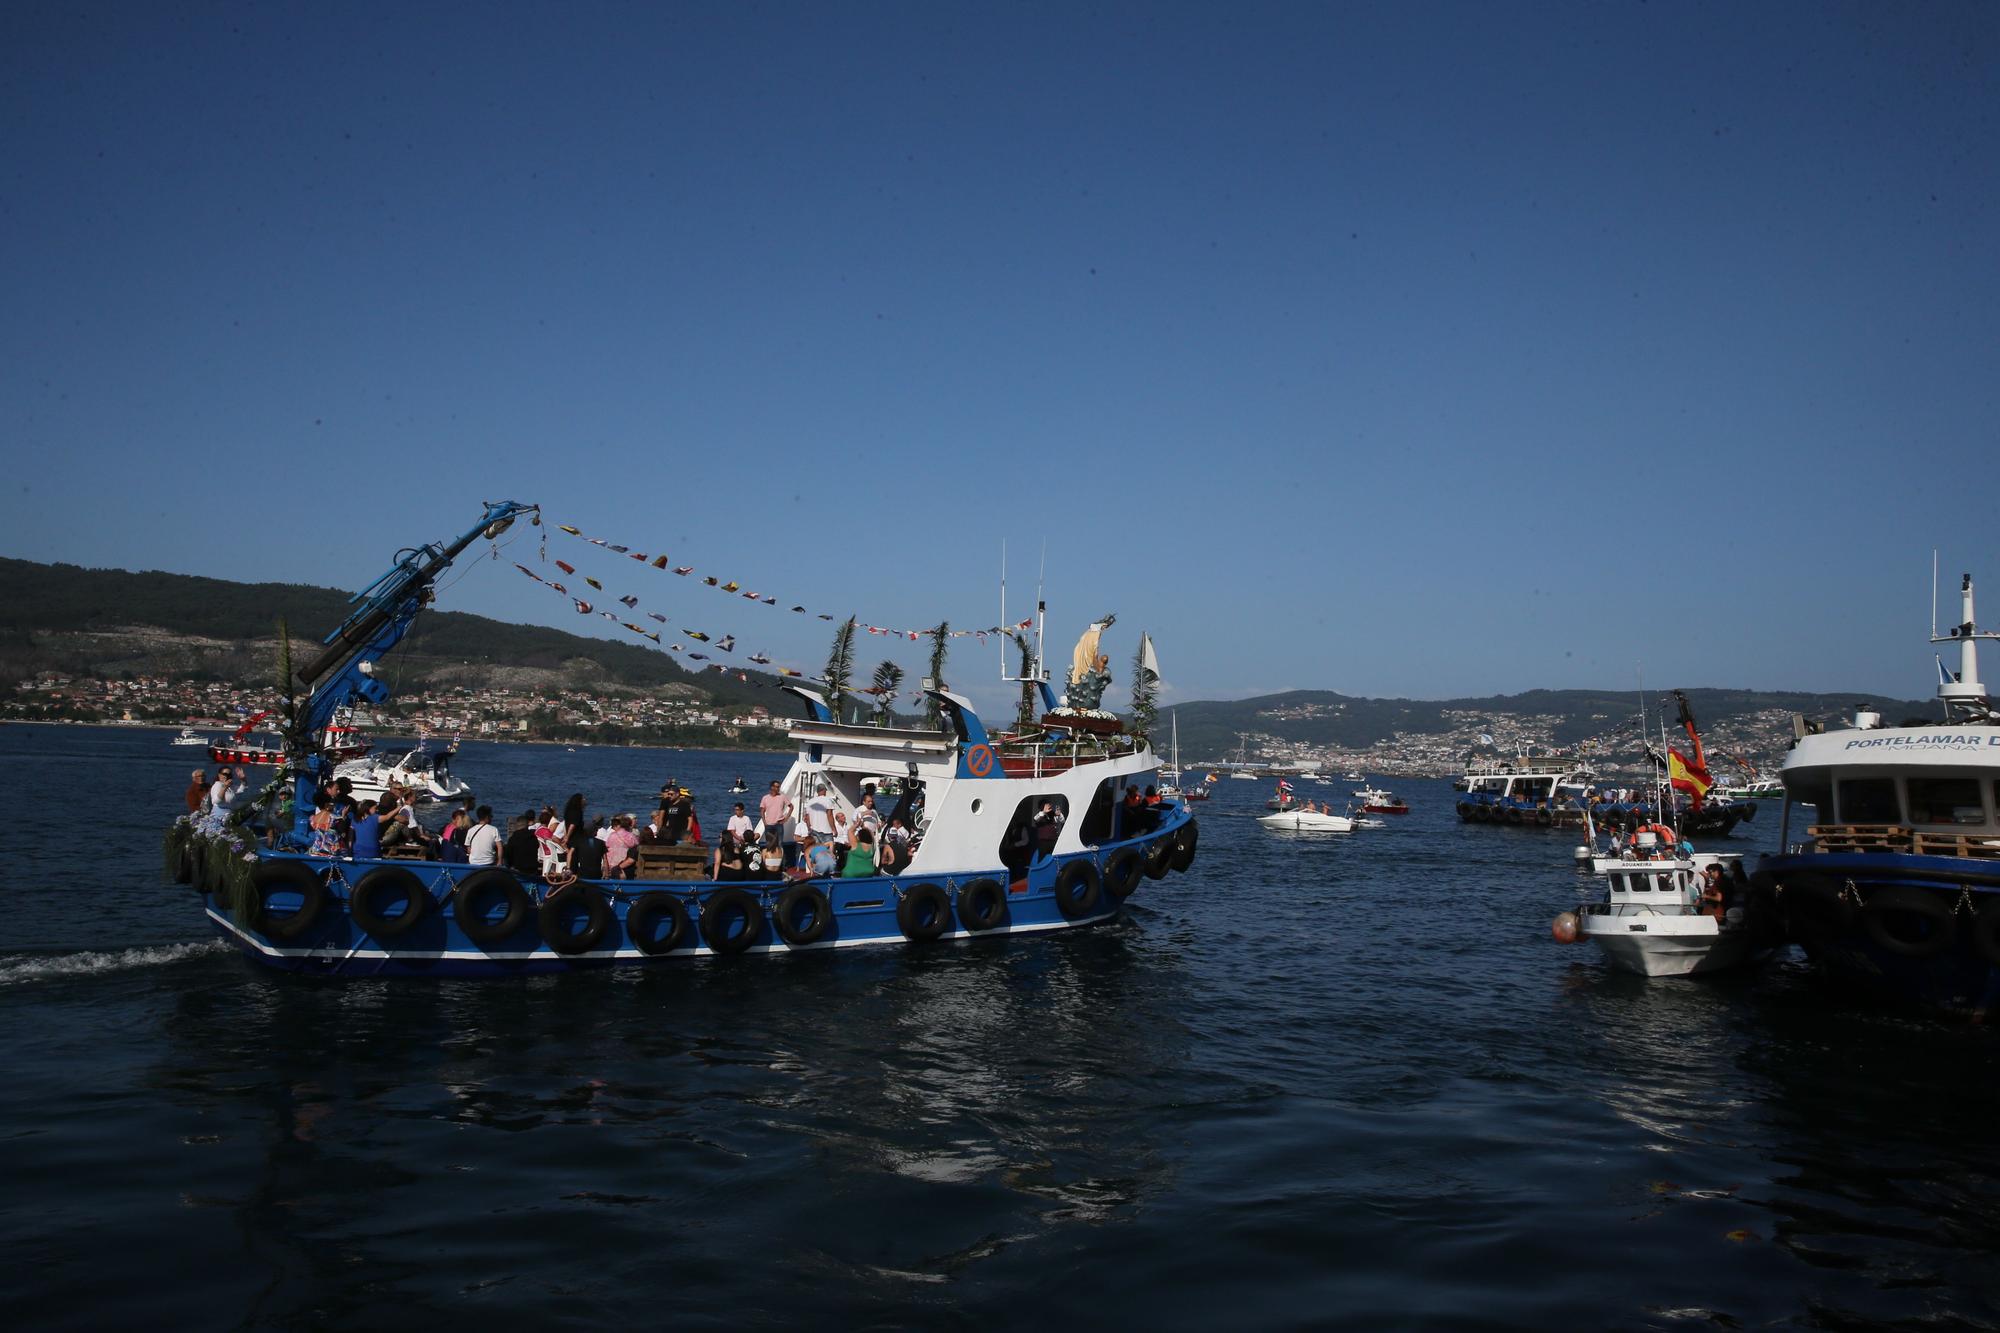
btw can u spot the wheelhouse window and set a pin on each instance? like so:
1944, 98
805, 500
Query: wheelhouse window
1027, 835
1868, 801
1097, 819
1945, 801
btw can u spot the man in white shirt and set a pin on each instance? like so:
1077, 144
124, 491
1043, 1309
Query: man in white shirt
865, 817
821, 816
482, 840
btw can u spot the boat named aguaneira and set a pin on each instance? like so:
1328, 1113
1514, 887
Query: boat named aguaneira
1896, 887
981, 867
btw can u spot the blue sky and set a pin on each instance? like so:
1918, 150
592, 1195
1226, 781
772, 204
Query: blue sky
1420, 349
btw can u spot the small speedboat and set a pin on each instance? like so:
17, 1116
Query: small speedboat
1375, 801
189, 736
1302, 820
425, 773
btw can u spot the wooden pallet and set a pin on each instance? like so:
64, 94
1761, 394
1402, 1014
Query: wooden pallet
1978, 845
1860, 837
680, 862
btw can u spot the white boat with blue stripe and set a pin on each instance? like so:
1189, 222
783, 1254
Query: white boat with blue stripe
976, 867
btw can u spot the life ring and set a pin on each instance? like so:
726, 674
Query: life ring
639, 920
1079, 889
1666, 835
1159, 858
716, 911
982, 904
1986, 931
554, 920
1184, 844
1886, 905
271, 877
466, 906
819, 917
396, 882
924, 912
1122, 871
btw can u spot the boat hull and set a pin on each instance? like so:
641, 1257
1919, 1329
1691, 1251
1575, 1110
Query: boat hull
1303, 821
863, 911
1666, 947
1895, 926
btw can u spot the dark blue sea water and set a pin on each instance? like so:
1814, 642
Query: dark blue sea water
1314, 1082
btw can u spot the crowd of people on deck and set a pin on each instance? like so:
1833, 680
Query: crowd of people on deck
788, 838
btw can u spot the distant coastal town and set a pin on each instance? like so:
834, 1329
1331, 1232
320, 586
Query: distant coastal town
634, 718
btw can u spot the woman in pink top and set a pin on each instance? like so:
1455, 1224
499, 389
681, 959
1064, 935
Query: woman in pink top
619, 840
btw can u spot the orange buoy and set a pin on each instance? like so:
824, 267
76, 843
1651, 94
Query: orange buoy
1567, 928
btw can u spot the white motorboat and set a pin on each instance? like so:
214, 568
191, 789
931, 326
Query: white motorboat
426, 774
1654, 920
189, 736
1301, 820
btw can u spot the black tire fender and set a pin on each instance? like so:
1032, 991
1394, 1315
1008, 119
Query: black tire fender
292, 877
1986, 931
553, 921
785, 913
393, 880
982, 904
716, 911
1122, 872
1184, 844
1160, 858
1079, 888
1886, 905
639, 923
924, 912
474, 923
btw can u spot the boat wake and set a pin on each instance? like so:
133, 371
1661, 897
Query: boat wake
42, 967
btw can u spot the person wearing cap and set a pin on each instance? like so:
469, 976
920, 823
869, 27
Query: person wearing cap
822, 819
197, 789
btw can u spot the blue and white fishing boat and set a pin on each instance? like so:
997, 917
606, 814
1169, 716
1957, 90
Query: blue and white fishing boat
1896, 888
976, 867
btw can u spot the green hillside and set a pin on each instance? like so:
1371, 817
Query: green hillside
1211, 730
54, 614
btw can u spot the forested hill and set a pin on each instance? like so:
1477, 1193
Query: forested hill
1211, 730
65, 617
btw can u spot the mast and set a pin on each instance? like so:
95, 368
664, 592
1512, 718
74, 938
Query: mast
1964, 692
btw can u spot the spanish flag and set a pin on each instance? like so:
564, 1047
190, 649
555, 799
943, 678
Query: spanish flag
1688, 777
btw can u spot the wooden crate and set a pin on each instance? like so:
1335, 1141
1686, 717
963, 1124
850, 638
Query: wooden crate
683, 862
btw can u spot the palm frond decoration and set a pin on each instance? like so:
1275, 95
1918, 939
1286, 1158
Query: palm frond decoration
839, 674
1024, 711
940, 645
1145, 691
888, 681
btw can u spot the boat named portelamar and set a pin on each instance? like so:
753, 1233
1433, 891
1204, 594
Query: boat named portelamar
1895, 888
982, 864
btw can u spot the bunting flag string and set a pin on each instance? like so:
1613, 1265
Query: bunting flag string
735, 588
727, 643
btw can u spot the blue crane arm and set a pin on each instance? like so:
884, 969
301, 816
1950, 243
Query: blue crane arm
343, 670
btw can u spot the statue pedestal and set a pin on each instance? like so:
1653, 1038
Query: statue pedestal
1095, 726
